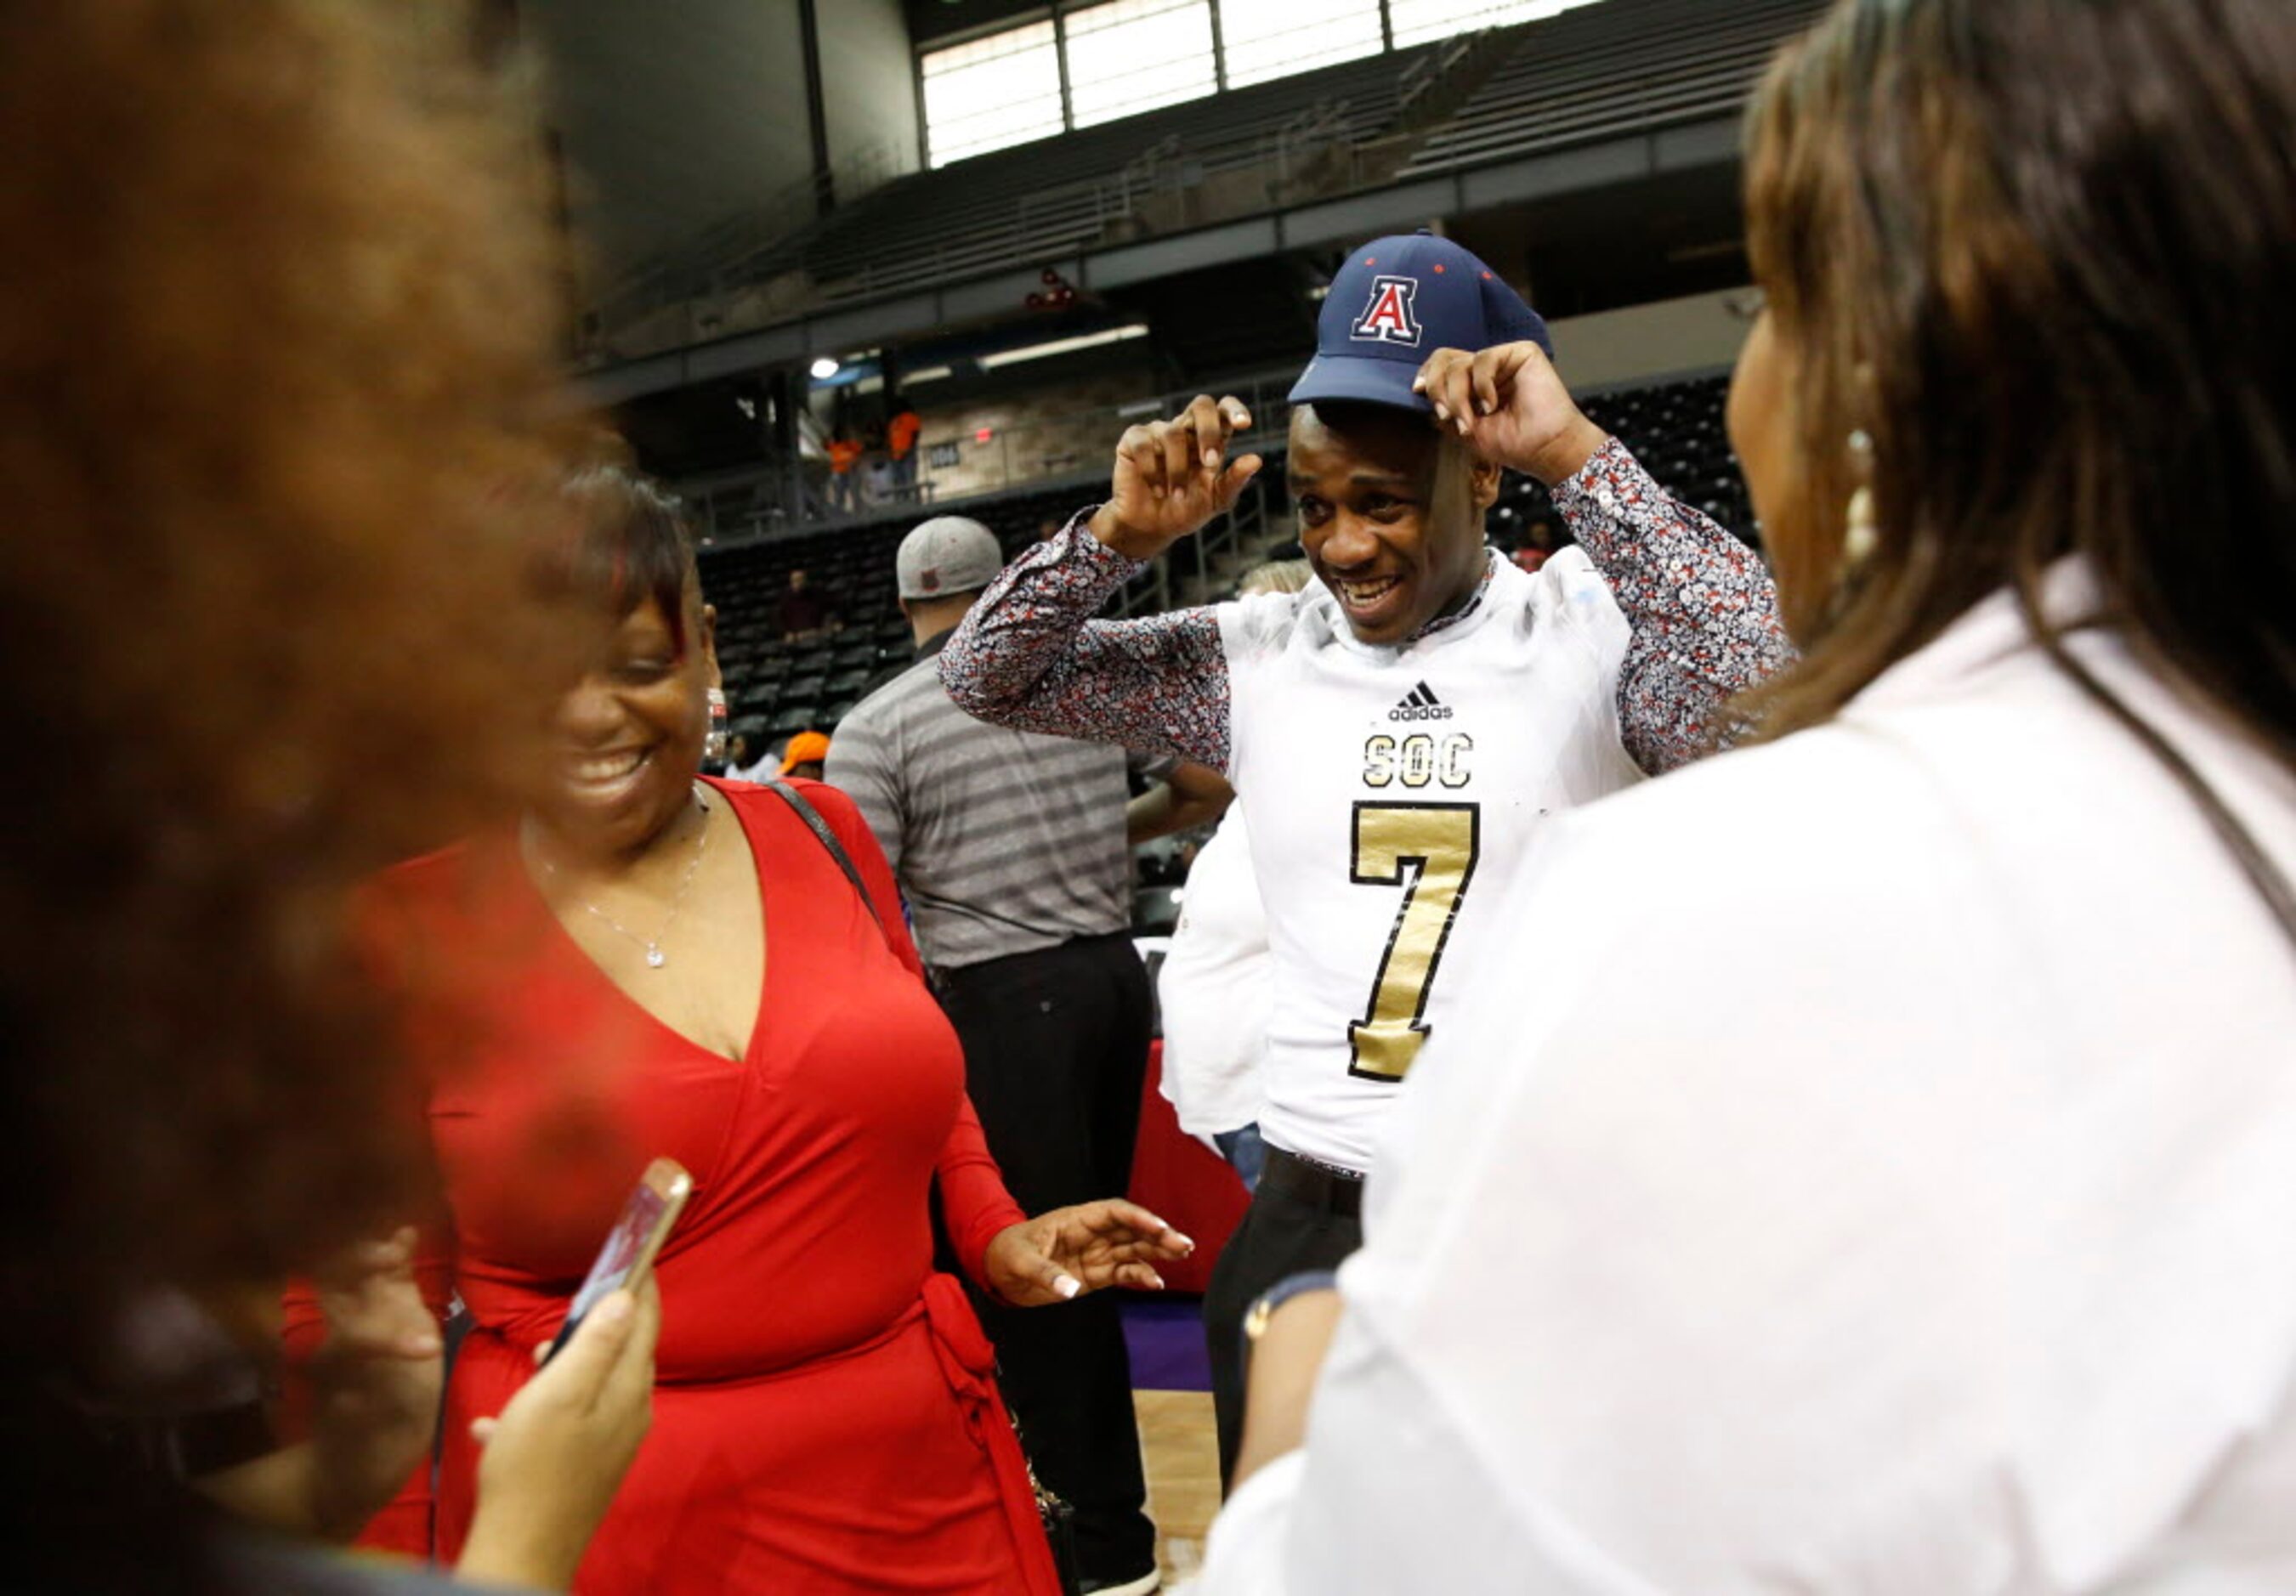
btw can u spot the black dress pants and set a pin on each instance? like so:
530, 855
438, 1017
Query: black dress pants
1282, 1234
1055, 1054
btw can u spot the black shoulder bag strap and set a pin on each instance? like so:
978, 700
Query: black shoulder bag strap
827, 838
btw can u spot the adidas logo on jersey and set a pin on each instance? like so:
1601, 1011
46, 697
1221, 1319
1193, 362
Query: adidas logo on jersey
1420, 704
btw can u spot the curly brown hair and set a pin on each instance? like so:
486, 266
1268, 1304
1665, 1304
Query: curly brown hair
275, 404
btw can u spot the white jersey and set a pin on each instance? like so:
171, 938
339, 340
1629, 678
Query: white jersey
1390, 795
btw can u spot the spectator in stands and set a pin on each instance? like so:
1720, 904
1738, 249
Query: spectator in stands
1884, 1184
845, 452
737, 759
1539, 543
720, 973
806, 755
1013, 853
803, 612
876, 469
901, 446
310, 600
1401, 732
741, 767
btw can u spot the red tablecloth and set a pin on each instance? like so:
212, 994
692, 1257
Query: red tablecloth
1183, 1181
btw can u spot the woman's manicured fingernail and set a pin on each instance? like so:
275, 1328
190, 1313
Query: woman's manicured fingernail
1068, 1286
614, 1309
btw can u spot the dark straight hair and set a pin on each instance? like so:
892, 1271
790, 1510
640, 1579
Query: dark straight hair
2041, 252
631, 544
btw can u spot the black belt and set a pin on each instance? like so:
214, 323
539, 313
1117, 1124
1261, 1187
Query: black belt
1323, 1186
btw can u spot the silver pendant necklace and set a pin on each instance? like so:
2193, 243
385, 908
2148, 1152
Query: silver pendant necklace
654, 957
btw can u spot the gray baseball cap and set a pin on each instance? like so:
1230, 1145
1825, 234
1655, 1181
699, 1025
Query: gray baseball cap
945, 556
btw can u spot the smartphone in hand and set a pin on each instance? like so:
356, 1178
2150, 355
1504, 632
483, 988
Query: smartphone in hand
646, 1223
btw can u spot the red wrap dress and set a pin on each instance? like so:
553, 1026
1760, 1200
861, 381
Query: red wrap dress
824, 1417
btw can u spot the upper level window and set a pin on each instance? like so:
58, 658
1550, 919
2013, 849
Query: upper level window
1416, 21
1005, 89
1274, 38
1129, 56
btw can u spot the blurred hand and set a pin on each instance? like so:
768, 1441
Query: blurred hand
1172, 477
375, 1383
1510, 406
557, 1455
1064, 1253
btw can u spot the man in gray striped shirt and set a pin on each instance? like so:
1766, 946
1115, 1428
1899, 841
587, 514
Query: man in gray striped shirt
1014, 853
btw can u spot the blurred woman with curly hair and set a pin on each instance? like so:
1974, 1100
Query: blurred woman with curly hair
273, 350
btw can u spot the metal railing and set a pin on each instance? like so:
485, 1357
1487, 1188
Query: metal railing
1431, 71
771, 500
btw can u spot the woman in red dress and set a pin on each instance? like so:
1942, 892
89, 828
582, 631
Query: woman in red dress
661, 965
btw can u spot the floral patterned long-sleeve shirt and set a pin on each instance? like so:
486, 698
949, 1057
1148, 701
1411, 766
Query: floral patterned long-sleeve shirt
1702, 609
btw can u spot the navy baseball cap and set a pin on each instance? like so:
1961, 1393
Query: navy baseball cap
1396, 302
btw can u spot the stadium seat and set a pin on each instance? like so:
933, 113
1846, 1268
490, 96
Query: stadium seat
1676, 429
1156, 911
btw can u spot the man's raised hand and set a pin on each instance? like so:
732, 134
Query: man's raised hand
1511, 408
1172, 477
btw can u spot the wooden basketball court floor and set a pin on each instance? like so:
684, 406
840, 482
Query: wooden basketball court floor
1182, 1456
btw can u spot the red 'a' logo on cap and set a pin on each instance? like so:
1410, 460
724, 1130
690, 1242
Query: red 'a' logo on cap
1388, 318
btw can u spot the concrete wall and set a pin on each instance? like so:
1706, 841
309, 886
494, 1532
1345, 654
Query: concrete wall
868, 80
1071, 425
1613, 347
930, 20
672, 114
1065, 427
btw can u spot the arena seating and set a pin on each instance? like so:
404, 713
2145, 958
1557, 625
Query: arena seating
778, 688
1599, 72
1628, 65
1019, 207
1675, 430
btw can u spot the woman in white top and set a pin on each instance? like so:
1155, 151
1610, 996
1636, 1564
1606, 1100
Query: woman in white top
1888, 1183
1215, 989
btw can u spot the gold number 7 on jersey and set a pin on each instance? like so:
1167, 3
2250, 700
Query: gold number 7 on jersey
1429, 850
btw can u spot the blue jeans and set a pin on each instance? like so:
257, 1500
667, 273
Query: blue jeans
1244, 1151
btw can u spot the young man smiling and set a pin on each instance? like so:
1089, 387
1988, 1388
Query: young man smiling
1397, 732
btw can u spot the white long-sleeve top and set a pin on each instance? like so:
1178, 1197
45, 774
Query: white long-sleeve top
1886, 1184
1217, 989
